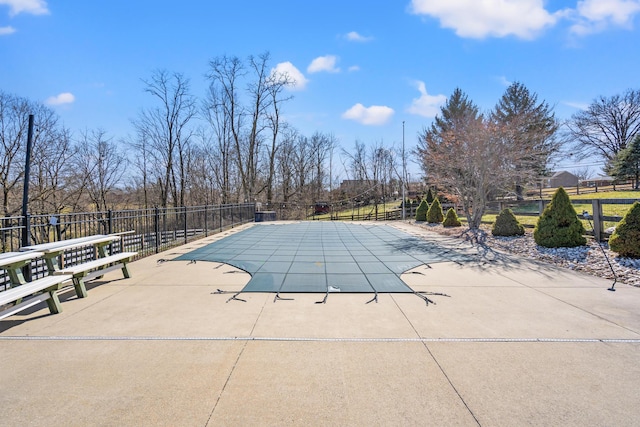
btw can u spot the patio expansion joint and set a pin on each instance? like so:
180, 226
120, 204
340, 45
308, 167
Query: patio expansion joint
235, 364
514, 340
540, 290
435, 360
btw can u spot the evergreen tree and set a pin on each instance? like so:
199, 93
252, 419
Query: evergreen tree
421, 212
559, 226
627, 163
429, 197
533, 128
625, 240
434, 214
451, 219
507, 225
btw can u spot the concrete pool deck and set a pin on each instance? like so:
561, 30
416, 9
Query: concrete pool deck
516, 342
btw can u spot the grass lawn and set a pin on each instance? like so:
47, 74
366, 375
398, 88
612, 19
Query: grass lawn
530, 209
607, 209
347, 213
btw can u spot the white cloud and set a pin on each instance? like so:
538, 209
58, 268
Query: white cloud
324, 63
576, 105
7, 30
34, 7
288, 70
597, 15
354, 68
426, 105
374, 115
61, 99
489, 18
504, 81
354, 36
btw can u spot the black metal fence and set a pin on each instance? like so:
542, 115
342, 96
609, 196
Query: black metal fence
146, 231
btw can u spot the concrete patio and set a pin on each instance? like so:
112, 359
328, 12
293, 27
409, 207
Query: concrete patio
515, 343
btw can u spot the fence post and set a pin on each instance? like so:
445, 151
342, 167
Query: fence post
206, 229
185, 224
597, 219
110, 231
109, 221
156, 228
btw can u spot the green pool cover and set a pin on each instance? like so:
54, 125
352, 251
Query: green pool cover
323, 256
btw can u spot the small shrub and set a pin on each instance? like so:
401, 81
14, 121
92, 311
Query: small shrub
507, 225
559, 226
434, 214
430, 197
451, 219
421, 212
625, 240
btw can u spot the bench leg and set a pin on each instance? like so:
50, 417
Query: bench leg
54, 303
78, 284
125, 271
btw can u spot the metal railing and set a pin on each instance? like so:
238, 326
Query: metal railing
146, 231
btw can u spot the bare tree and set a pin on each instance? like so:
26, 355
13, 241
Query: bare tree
101, 165
275, 85
246, 98
14, 114
54, 186
225, 75
219, 146
471, 156
143, 163
50, 151
166, 132
583, 173
607, 126
286, 164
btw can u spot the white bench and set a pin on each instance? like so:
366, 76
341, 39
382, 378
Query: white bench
47, 285
95, 269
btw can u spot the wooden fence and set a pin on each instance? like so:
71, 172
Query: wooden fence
597, 215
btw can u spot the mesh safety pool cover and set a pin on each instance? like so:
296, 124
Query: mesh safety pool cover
317, 256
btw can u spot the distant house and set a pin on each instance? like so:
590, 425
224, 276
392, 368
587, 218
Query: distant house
561, 179
598, 181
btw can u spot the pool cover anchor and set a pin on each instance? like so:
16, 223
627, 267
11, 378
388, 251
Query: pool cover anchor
278, 297
330, 288
375, 298
427, 300
234, 297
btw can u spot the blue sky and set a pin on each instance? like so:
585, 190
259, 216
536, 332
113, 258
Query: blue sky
362, 68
